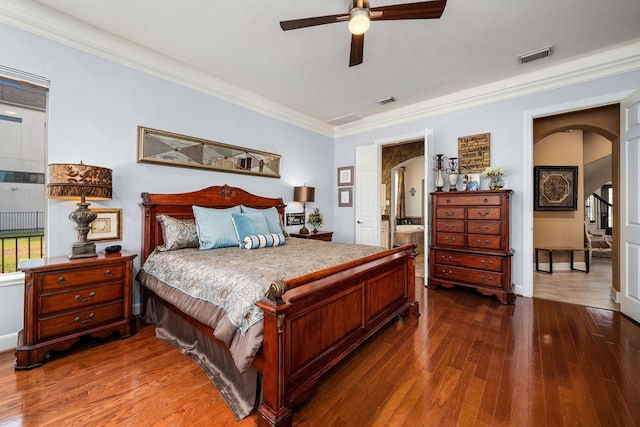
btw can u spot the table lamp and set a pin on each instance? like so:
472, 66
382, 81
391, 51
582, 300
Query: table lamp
80, 181
304, 195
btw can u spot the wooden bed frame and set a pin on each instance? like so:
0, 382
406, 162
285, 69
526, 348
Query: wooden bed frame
351, 301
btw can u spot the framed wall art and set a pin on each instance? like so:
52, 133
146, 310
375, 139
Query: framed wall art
107, 226
474, 153
345, 197
345, 175
555, 188
172, 149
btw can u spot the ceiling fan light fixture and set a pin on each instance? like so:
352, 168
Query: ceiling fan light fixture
359, 21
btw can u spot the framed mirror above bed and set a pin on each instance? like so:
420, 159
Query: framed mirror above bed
172, 149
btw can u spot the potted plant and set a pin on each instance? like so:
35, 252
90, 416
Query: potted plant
315, 220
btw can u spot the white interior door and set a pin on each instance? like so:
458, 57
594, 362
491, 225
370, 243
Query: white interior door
366, 196
630, 206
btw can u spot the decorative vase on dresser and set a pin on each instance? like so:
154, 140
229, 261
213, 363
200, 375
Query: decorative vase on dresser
470, 242
65, 299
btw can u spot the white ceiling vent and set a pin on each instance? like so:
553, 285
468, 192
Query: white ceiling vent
342, 120
535, 54
386, 100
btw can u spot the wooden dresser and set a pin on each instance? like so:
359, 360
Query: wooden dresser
470, 242
65, 299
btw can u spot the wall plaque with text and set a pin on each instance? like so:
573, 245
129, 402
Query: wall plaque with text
474, 153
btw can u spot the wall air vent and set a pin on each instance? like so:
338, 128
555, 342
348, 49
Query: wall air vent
347, 118
535, 54
386, 100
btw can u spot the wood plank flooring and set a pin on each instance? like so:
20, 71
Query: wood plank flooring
467, 361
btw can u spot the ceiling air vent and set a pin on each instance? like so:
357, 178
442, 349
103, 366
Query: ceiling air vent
535, 54
347, 118
386, 100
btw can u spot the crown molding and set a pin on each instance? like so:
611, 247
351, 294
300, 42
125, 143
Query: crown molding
50, 24
608, 63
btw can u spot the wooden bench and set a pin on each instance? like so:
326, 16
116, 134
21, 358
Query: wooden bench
571, 251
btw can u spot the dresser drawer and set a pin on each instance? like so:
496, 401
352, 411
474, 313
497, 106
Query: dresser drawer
82, 276
452, 226
470, 200
484, 241
451, 213
481, 262
449, 239
78, 320
465, 275
80, 298
484, 227
483, 213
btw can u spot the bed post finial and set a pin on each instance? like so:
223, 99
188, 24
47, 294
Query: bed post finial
276, 291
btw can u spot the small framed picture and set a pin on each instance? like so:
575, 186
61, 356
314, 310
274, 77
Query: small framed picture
345, 175
107, 226
471, 181
345, 197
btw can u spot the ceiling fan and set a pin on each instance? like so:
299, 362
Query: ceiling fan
359, 17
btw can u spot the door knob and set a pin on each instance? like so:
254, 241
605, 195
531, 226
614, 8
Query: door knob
359, 222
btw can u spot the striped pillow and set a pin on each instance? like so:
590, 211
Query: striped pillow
257, 241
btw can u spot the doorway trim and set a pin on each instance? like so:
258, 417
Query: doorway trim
526, 289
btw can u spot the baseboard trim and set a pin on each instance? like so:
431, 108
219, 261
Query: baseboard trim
613, 293
8, 342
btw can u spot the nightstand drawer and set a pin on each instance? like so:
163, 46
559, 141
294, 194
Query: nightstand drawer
80, 298
78, 320
84, 276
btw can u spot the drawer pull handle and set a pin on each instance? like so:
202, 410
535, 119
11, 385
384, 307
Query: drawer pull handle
448, 258
62, 280
449, 226
483, 213
448, 200
447, 273
450, 239
480, 242
485, 279
485, 200
79, 320
486, 263
108, 273
448, 213
483, 228
91, 295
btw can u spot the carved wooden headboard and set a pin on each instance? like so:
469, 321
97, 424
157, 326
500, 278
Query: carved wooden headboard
180, 206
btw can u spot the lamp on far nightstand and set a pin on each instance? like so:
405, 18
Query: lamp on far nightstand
304, 195
80, 181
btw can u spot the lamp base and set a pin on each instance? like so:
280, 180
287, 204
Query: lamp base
303, 230
83, 250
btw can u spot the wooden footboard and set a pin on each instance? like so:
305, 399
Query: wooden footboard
318, 323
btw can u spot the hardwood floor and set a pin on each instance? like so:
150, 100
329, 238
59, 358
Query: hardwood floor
575, 287
468, 361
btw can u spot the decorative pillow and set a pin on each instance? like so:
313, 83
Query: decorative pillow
177, 233
272, 216
249, 223
257, 241
215, 227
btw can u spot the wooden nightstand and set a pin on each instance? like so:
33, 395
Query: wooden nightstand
325, 236
65, 299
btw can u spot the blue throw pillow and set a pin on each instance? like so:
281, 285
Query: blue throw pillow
215, 227
248, 223
272, 216
257, 241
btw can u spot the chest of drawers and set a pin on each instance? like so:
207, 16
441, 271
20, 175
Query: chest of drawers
470, 242
65, 299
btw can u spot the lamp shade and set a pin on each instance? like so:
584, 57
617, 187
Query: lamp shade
73, 181
304, 194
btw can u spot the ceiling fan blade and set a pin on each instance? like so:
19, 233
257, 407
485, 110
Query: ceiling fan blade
295, 24
421, 10
357, 49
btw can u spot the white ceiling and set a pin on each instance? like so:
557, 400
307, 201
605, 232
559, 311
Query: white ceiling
476, 42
